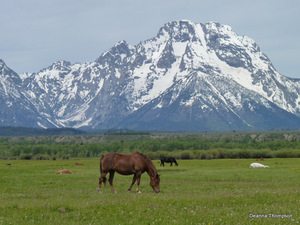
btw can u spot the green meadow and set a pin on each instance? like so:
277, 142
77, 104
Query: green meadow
220, 191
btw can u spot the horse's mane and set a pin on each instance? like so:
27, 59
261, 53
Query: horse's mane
152, 169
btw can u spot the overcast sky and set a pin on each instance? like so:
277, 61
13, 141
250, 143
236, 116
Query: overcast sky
36, 33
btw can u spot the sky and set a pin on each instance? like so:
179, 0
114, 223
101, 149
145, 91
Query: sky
36, 33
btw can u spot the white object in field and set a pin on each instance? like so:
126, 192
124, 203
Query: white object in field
257, 165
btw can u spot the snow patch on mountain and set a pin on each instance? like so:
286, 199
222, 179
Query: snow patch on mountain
190, 75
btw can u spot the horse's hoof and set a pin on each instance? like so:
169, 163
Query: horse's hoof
114, 192
139, 192
99, 190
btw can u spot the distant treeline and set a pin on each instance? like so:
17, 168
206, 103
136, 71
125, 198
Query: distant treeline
26, 131
181, 146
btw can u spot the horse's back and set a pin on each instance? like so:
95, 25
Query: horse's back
107, 160
123, 164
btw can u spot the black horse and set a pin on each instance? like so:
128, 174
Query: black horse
171, 160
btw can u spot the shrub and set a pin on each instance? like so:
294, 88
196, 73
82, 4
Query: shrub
222, 153
42, 157
287, 154
247, 154
262, 154
214, 154
232, 154
26, 156
152, 155
203, 155
196, 154
65, 157
185, 155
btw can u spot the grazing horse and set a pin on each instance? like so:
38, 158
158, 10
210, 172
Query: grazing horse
135, 163
171, 160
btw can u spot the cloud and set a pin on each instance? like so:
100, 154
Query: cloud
35, 33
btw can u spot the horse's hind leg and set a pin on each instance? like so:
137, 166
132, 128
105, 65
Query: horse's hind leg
138, 177
111, 178
132, 183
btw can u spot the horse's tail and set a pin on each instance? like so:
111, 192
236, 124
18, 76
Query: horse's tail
104, 179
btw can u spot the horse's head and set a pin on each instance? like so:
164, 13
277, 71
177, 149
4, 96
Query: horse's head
154, 182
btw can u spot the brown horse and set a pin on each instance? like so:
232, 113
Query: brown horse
135, 163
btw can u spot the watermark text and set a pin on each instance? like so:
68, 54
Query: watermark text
271, 215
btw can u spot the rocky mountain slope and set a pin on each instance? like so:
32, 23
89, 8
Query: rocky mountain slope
190, 77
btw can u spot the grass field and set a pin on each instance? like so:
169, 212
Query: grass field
223, 191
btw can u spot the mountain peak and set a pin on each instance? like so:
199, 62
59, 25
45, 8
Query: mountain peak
8, 73
118, 52
60, 64
120, 43
181, 31
190, 77
2, 64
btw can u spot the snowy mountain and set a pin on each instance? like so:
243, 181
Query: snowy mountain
15, 108
190, 77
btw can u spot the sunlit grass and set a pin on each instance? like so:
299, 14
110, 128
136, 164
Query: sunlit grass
196, 192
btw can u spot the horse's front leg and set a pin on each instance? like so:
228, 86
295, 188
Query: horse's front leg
138, 177
102, 179
132, 183
110, 179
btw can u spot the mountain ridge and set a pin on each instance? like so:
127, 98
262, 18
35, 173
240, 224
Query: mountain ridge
190, 77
